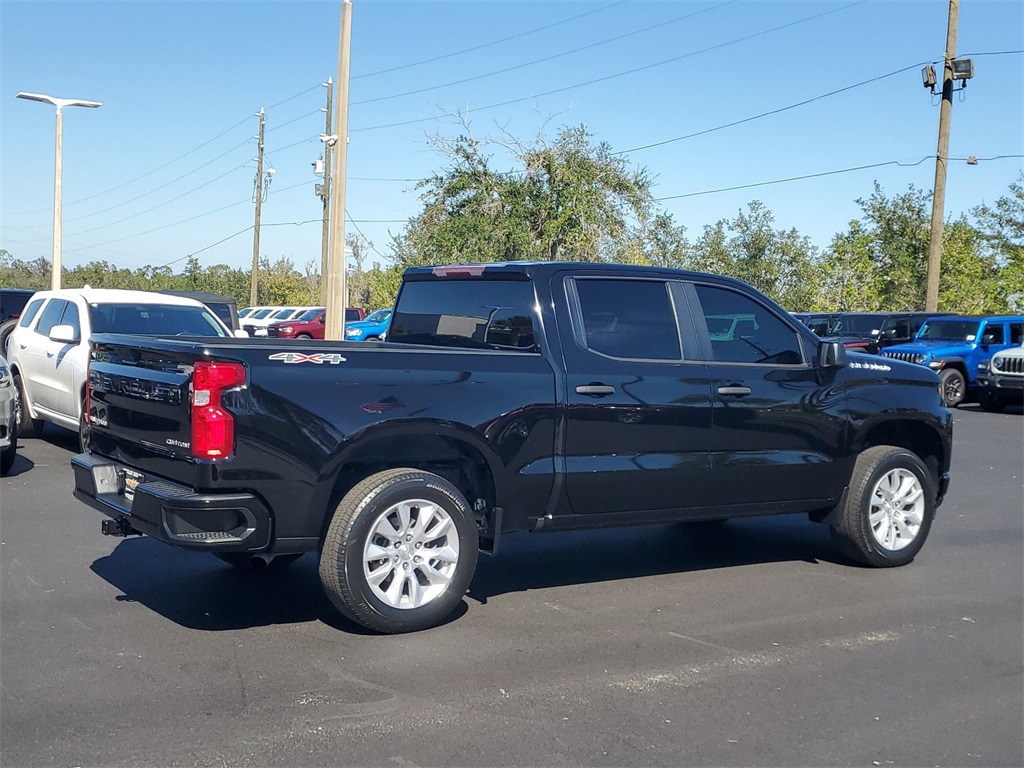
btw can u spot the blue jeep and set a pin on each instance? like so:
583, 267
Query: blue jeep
370, 329
954, 346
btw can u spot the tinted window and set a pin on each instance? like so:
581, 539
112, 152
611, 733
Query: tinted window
1016, 333
379, 316
861, 325
51, 316
995, 330
480, 314
309, 315
352, 316
30, 313
631, 319
743, 331
154, 320
70, 317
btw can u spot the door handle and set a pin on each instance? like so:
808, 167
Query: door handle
595, 390
734, 390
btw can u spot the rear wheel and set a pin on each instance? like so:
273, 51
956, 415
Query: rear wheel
888, 510
400, 551
953, 387
26, 425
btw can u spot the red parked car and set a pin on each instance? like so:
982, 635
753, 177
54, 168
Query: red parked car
310, 324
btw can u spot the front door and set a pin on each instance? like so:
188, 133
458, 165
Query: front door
771, 443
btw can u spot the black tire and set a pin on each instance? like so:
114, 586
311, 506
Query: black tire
953, 387
26, 425
990, 402
5, 332
303, 336
7, 455
354, 528
243, 560
853, 529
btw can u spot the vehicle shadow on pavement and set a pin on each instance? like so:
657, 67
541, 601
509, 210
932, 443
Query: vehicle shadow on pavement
538, 561
21, 465
198, 591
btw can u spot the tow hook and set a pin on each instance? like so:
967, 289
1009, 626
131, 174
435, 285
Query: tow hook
118, 527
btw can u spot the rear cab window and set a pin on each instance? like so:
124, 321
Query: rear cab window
489, 313
627, 319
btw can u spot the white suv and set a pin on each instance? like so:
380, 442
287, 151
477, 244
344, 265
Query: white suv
48, 351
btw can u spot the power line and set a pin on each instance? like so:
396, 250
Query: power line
546, 58
626, 72
771, 112
798, 178
486, 45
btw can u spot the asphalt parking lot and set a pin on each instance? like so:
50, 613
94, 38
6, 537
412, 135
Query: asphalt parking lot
754, 644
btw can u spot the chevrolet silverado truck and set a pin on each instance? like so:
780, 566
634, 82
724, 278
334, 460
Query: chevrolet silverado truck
508, 397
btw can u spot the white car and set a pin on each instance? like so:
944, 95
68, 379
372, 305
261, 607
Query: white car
256, 323
49, 348
8, 419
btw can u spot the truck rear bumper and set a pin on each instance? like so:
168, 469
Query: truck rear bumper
223, 522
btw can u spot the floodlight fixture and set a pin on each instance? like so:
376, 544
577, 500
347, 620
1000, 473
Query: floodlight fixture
928, 77
963, 69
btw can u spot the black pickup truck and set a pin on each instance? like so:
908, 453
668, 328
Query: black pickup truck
508, 397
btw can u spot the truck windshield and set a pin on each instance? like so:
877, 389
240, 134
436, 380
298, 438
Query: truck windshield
949, 330
309, 315
155, 320
380, 316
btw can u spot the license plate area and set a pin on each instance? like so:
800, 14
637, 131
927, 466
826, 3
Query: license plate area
128, 481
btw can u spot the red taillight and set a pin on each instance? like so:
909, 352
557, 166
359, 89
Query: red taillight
213, 428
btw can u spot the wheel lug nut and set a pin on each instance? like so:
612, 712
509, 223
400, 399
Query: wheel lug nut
417, 559
408, 538
396, 558
418, 545
406, 566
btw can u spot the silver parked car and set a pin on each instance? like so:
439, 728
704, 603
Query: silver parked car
8, 418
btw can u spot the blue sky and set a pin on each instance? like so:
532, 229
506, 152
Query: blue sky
165, 168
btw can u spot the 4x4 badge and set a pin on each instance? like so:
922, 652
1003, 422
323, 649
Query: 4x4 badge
317, 357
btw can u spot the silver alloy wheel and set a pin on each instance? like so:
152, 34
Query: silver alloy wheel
411, 554
897, 509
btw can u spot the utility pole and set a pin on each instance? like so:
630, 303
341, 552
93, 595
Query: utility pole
337, 294
931, 303
326, 196
258, 199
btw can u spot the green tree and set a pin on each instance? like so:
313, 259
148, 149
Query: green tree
1002, 228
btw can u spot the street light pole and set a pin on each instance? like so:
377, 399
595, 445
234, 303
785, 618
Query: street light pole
55, 270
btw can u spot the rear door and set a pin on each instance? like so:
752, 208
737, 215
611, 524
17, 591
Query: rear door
771, 443
638, 408
39, 358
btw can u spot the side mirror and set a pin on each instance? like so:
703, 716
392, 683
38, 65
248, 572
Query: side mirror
832, 354
987, 339
64, 334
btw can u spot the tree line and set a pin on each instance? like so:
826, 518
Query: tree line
574, 199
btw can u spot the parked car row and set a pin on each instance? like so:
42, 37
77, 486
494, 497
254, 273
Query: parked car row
956, 347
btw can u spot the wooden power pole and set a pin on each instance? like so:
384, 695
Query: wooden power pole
258, 199
931, 302
336, 289
325, 235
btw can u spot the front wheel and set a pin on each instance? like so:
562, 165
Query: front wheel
953, 387
888, 510
7, 455
400, 551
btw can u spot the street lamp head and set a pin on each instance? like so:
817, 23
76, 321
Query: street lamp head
59, 103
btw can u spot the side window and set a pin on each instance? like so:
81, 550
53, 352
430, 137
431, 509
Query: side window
631, 319
901, 326
30, 313
71, 318
1016, 333
995, 330
743, 331
51, 316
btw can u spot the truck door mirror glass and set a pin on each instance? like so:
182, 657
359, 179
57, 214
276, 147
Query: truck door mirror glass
63, 334
832, 354
987, 339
